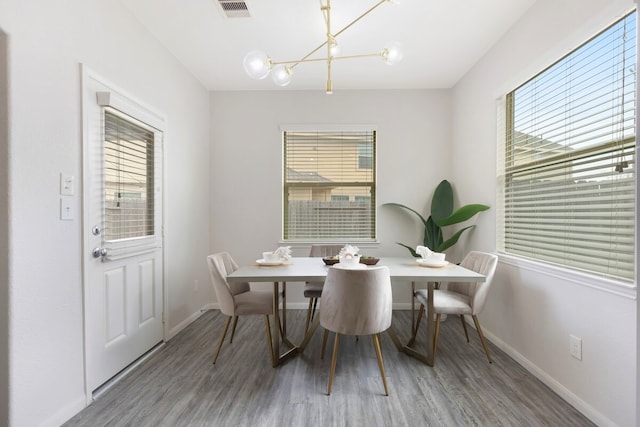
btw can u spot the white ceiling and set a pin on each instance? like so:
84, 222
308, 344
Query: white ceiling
442, 39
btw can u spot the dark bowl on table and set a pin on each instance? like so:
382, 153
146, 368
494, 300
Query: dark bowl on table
369, 260
329, 260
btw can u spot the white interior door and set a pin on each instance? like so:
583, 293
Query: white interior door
123, 268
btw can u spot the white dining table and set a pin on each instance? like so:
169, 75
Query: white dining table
303, 269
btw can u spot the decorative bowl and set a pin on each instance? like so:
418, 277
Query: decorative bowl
329, 260
369, 260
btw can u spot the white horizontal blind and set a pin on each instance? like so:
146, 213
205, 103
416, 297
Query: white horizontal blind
569, 171
128, 179
329, 185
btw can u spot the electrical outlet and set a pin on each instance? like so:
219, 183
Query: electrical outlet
575, 346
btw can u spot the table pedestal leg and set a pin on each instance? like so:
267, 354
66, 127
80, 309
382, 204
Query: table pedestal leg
428, 356
280, 328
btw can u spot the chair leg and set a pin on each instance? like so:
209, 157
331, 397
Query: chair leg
306, 326
480, 334
324, 343
233, 330
269, 340
313, 310
334, 359
376, 345
436, 335
224, 332
464, 326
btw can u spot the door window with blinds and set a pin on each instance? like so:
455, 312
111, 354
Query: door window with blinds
129, 174
569, 165
329, 185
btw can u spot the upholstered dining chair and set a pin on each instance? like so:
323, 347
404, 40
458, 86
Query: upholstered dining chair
356, 302
313, 290
237, 299
462, 298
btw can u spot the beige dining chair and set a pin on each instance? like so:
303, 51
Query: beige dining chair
356, 302
237, 299
462, 298
313, 290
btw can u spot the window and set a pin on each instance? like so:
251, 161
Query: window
328, 194
128, 178
569, 165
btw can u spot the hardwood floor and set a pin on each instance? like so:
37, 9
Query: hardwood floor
179, 385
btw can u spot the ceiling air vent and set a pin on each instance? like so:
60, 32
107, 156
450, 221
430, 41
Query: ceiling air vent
234, 8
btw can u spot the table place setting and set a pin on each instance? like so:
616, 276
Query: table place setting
430, 258
280, 256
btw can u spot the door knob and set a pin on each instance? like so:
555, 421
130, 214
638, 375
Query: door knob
99, 252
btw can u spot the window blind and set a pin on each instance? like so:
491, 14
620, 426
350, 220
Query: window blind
329, 190
128, 179
569, 159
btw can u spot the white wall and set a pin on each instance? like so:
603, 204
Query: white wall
246, 163
532, 310
47, 43
4, 231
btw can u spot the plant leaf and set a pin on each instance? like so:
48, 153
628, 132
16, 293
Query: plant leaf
413, 252
424, 221
452, 240
462, 214
442, 201
432, 234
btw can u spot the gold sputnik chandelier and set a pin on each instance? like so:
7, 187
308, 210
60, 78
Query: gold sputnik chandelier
258, 65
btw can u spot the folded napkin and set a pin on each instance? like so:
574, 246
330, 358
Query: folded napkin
423, 251
349, 250
284, 252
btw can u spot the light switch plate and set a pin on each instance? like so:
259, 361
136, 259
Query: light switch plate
67, 184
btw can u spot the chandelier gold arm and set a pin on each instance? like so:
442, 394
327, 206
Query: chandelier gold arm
333, 58
258, 64
326, 11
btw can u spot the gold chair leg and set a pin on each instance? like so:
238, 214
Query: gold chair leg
481, 335
436, 335
269, 340
464, 326
306, 325
376, 345
334, 359
224, 332
233, 330
324, 343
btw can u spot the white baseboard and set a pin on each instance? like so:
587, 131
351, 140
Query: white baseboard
189, 320
587, 410
65, 414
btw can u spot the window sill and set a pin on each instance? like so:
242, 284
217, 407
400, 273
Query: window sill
623, 289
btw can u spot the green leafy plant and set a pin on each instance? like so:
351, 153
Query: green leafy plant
442, 215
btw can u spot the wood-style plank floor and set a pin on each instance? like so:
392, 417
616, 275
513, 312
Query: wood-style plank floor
179, 385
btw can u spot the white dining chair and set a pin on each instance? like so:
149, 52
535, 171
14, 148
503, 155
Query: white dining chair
313, 290
357, 302
461, 298
237, 299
